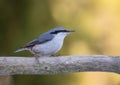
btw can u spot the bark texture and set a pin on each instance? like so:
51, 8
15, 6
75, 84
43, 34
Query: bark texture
11, 65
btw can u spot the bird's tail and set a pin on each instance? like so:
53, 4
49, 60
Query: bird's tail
20, 49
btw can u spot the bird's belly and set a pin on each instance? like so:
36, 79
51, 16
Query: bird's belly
48, 48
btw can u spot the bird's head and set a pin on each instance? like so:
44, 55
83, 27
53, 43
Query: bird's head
60, 31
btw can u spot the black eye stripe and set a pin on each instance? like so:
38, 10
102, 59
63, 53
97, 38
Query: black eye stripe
58, 31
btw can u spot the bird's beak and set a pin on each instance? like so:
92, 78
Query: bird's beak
71, 31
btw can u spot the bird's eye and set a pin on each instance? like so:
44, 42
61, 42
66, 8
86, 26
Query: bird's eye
58, 31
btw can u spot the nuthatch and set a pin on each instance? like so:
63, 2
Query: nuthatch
47, 43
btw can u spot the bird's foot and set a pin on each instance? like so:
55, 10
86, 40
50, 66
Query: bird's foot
55, 55
37, 59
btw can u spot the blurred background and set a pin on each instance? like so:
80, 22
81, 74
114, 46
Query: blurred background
97, 25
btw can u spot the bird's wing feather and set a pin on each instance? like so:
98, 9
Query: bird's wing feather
40, 40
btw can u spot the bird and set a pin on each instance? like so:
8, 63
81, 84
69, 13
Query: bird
47, 43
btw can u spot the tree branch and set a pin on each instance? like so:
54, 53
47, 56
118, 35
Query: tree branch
56, 65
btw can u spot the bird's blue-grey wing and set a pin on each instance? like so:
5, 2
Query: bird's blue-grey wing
40, 40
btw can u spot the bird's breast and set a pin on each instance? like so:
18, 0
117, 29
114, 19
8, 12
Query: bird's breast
49, 47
